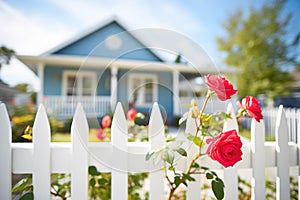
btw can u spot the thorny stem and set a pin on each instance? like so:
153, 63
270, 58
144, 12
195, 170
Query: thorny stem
172, 186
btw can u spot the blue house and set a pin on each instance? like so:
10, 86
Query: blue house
102, 66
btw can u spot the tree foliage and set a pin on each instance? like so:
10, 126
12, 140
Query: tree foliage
5, 55
260, 46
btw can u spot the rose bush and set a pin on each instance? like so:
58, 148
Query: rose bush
224, 147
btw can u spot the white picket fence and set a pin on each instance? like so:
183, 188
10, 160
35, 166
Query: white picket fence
270, 115
41, 157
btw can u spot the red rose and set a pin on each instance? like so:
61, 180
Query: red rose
101, 134
131, 114
225, 148
251, 105
106, 121
221, 86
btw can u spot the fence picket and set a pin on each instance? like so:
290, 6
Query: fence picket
194, 188
41, 155
79, 163
156, 134
282, 153
258, 159
5, 154
119, 139
230, 173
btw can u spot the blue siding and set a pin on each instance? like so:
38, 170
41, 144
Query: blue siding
103, 82
165, 95
53, 80
93, 45
54, 77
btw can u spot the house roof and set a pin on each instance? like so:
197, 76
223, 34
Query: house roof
94, 29
51, 57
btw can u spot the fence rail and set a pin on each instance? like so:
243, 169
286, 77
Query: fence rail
120, 157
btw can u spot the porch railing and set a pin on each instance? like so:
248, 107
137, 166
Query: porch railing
64, 106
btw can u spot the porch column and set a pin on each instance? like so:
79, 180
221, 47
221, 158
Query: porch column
40, 73
176, 100
114, 87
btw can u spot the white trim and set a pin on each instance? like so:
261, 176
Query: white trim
143, 77
114, 87
176, 100
83, 62
78, 75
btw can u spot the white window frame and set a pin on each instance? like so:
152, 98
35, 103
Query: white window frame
78, 75
143, 78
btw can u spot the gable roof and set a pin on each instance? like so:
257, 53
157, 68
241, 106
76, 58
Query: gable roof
113, 20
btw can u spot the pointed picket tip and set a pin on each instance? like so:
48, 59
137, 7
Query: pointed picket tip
119, 121
156, 132
231, 123
281, 128
258, 130
281, 118
80, 125
41, 126
156, 121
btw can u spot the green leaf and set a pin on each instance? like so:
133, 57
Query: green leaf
93, 171
102, 181
195, 165
196, 140
181, 151
204, 168
218, 189
168, 156
27, 196
209, 175
206, 118
177, 180
149, 155
92, 182
22, 184
170, 139
188, 177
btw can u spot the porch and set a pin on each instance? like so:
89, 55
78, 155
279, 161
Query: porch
64, 106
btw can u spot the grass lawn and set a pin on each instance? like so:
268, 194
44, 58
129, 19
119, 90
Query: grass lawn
66, 137
245, 133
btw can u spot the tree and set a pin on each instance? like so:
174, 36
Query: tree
5, 55
261, 48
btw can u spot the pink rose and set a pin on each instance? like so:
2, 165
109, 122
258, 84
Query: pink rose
101, 134
221, 86
106, 121
225, 148
131, 114
251, 105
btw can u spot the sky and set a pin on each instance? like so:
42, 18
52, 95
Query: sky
31, 27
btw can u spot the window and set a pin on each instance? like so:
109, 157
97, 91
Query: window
79, 83
142, 89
